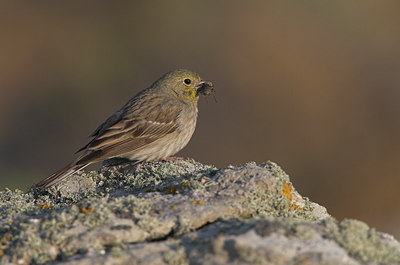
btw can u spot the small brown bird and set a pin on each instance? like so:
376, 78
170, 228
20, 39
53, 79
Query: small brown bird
156, 123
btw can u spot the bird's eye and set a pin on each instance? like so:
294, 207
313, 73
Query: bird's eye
187, 81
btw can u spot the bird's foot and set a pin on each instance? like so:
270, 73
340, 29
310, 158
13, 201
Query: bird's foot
171, 159
116, 161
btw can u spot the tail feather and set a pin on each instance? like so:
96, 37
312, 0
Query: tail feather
60, 175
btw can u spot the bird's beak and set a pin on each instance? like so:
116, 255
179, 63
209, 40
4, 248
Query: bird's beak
204, 88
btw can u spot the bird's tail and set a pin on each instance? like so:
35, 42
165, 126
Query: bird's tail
60, 175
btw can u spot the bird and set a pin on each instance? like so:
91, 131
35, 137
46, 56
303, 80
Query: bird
153, 125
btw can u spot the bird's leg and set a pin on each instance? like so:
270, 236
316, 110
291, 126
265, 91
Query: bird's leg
172, 158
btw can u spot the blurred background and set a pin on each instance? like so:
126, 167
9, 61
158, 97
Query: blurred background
313, 86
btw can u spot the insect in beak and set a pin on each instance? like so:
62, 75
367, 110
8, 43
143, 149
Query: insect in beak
205, 88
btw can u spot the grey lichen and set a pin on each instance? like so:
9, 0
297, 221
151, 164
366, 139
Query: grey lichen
152, 177
281, 199
361, 241
178, 213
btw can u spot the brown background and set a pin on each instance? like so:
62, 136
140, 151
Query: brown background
313, 86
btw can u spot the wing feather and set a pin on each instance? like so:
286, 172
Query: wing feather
132, 129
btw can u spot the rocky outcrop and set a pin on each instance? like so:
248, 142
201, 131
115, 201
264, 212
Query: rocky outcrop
181, 212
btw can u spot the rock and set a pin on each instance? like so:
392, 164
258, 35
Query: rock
179, 213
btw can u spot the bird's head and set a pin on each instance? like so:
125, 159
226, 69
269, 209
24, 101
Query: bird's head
184, 85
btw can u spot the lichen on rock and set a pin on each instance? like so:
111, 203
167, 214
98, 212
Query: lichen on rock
179, 213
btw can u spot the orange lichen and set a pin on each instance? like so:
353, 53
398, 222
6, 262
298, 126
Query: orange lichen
87, 210
186, 184
287, 191
6, 237
295, 207
45, 206
199, 202
172, 190
303, 261
174, 208
6, 245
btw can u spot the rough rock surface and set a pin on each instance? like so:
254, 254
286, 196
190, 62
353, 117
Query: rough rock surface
181, 212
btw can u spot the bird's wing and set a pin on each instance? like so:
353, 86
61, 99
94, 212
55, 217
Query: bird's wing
139, 106
134, 129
